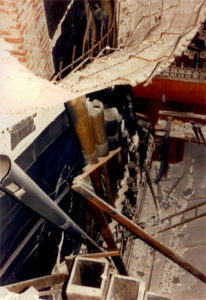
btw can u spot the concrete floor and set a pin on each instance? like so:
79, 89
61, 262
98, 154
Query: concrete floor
188, 240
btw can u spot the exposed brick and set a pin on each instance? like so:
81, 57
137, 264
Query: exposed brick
17, 26
6, 12
20, 47
4, 32
11, 4
14, 40
39, 10
37, 18
41, 38
35, 4
20, 14
18, 53
23, 29
22, 59
29, 4
28, 32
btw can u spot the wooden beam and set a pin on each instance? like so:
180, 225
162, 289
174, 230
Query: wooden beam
97, 165
136, 230
174, 90
98, 214
108, 237
38, 283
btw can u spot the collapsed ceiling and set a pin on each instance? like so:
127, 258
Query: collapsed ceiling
150, 34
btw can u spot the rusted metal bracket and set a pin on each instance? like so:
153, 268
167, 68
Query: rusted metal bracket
86, 192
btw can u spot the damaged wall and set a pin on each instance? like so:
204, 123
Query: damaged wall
23, 25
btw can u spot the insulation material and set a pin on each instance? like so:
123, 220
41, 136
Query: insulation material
150, 35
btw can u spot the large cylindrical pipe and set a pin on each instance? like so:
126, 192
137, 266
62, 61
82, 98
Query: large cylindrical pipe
79, 114
23, 188
96, 113
112, 119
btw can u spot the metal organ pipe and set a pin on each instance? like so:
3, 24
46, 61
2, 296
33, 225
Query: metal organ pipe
96, 113
79, 114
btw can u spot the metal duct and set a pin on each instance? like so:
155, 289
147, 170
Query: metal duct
19, 185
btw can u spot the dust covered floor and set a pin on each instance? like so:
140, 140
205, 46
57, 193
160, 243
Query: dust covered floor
188, 240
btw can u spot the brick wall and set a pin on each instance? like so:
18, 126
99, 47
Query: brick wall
23, 24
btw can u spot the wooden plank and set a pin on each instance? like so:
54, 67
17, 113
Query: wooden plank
99, 215
108, 237
136, 230
103, 226
97, 165
38, 283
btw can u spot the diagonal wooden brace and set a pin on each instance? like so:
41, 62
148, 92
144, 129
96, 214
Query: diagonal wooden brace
99, 214
83, 189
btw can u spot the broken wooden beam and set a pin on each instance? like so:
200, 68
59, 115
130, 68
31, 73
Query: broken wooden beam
83, 189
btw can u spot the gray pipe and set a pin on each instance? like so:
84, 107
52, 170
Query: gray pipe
14, 180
